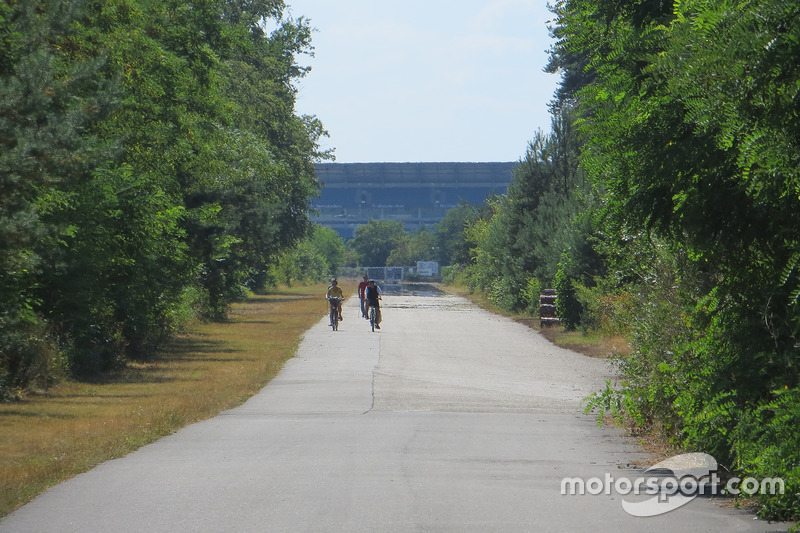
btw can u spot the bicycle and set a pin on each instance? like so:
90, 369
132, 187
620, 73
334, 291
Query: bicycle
372, 317
336, 304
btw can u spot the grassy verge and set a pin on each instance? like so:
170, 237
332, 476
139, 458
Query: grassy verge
591, 344
51, 436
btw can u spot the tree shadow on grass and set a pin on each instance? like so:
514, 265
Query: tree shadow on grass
182, 348
36, 415
243, 321
268, 299
154, 368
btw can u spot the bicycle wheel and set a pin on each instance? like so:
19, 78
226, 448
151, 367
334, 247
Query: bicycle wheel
372, 318
334, 318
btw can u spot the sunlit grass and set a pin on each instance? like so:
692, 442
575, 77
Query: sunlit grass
50, 437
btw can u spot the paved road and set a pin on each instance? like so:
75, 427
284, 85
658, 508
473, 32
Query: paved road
449, 419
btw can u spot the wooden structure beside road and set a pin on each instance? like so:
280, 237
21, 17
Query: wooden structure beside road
547, 308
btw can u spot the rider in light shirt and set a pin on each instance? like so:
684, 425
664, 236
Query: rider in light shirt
334, 291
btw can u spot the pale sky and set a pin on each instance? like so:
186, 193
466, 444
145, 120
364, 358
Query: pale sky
427, 80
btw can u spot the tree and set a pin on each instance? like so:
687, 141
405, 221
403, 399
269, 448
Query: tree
691, 130
150, 154
376, 239
451, 241
47, 106
541, 221
330, 246
419, 246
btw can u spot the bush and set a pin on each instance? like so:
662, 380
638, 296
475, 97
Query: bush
608, 312
766, 443
449, 274
531, 295
302, 264
507, 294
29, 357
568, 307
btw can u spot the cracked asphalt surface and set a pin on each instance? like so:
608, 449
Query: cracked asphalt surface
448, 419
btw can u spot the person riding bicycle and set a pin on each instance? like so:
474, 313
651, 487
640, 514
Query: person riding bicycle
361, 288
334, 291
372, 294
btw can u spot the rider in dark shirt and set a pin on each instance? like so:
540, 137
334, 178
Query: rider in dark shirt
372, 295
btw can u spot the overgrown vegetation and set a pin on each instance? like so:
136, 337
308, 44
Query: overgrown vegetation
668, 213
316, 258
152, 168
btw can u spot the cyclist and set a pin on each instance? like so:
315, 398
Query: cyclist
361, 288
334, 291
372, 294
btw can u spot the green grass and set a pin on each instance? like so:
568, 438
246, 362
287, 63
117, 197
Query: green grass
48, 437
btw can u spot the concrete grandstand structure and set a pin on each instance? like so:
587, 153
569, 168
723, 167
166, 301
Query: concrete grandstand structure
416, 194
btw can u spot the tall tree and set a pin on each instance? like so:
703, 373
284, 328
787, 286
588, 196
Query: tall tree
47, 104
451, 241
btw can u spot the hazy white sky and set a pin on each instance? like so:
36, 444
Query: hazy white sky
427, 80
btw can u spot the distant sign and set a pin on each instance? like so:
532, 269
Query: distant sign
428, 268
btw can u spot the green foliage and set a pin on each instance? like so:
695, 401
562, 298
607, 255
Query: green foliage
314, 259
689, 116
454, 275
328, 244
453, 248
505, 293
387, 243
375, 240
47, 104
543, 219
30, 357
485, 266
301, 264
568, 307
152, 163
122, 268
608, 310
420, 246
766, 443
531, 294
615, 402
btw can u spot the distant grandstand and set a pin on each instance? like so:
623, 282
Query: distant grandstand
417, 194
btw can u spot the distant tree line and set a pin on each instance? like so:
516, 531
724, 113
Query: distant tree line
152, 167
664, 206
387, 242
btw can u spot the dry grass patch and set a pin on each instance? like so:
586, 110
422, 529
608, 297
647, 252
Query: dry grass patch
591, 344
51, 436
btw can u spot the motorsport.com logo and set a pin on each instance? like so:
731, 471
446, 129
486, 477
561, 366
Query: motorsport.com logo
670, 484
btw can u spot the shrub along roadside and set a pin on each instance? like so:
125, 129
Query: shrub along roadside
48, 438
